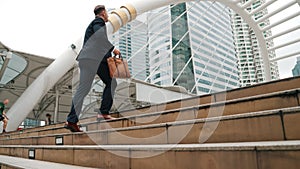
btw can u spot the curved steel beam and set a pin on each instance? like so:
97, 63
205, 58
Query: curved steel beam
138, 7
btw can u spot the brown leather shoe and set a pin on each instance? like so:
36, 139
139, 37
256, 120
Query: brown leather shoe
102, 117
73, 127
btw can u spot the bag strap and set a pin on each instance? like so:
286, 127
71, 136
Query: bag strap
116, 64
123, 65
125, 68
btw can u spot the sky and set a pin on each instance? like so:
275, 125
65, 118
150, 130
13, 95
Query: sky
48, 27
45, 27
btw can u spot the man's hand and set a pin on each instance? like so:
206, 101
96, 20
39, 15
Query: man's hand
116, 52
4, 114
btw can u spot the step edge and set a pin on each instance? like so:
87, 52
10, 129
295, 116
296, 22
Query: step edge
38, 164
259, 145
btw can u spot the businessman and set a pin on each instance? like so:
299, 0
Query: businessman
92, 60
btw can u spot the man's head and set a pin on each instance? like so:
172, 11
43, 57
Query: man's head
101, 12
6, 101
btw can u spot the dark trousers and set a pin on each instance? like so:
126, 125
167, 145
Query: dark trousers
88, 70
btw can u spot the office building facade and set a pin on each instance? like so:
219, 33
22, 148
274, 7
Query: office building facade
250, 62
191, 45
132, 40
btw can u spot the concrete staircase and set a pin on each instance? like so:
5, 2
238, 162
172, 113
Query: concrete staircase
255, 127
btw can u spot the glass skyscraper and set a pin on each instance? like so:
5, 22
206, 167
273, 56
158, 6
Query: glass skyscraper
191, 45
248, 51
132, 40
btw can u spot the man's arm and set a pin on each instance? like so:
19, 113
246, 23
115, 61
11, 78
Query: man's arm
4, 114
98, 24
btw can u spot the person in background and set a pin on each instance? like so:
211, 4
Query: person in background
48, 119
3, 116
92, 60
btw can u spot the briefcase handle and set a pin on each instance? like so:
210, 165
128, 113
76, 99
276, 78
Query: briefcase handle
120, 56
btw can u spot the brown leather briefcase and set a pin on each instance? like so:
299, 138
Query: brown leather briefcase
118, 67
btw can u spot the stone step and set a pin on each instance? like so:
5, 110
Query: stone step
272, 125
258, 89
246, 155
270, 101
277, 100
9, 162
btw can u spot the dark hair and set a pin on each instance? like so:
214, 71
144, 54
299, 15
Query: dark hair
98, 9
